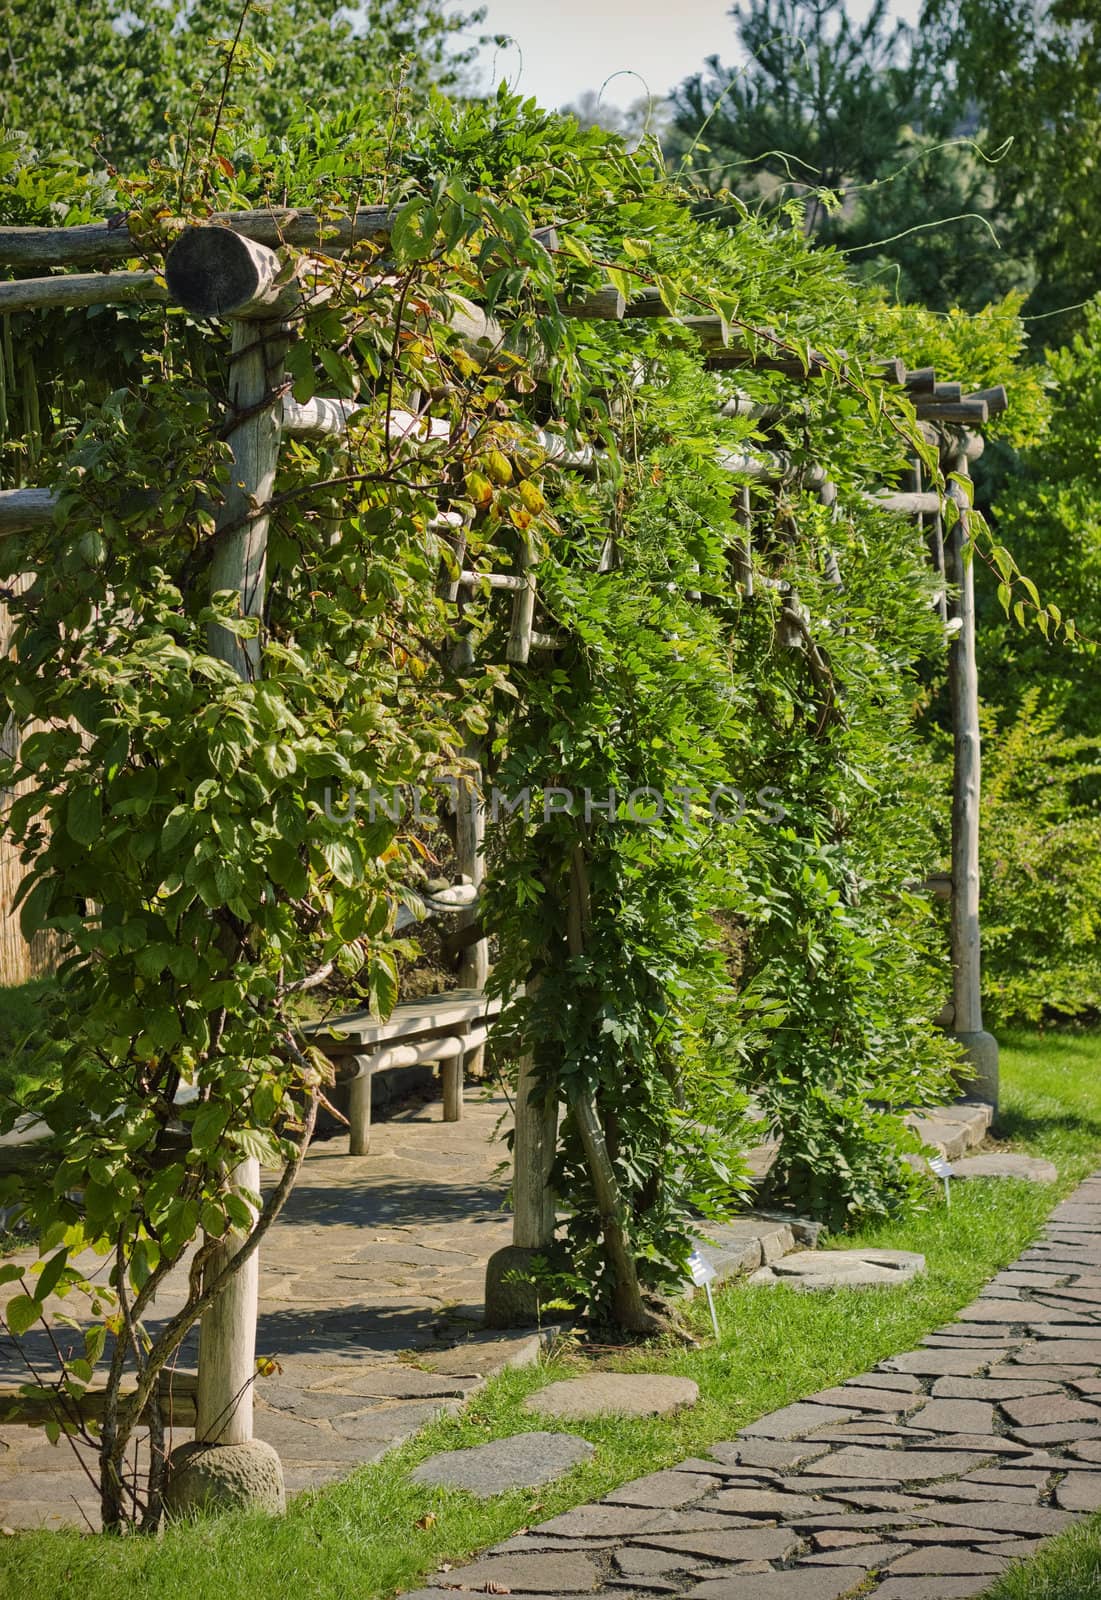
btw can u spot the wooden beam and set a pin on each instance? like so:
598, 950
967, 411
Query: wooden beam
112, 240
75, 289
318, 418
908, 504
24, 509
494, 580
995, 399
599, 305
963, 411
891, 370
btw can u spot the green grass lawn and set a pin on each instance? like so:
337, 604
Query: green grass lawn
376, 1532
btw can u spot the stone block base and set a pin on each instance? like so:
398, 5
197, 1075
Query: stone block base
224, 1477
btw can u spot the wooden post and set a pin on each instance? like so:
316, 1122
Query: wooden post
512, 1298
359, 1109
451, 1083
742, 553
518, 648
470, 829
963, 681
227, 1339
214, 272
533, 1149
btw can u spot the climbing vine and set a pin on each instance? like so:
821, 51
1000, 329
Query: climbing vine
742, 930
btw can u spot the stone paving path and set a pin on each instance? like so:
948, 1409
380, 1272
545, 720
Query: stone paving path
375, 1258
921, 1480
370, 1297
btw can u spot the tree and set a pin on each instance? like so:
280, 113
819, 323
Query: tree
1033, 70
847, 114
817, 105
116, 75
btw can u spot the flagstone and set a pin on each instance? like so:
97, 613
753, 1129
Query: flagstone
1039, 1409
954, 1416
550, 1573
664, 1490
867, 1556
809, 1584
947, 1559
790, 1422
997, 1514
869, 1398
941, 1363
736, 1544
995, 1389
1080, 1491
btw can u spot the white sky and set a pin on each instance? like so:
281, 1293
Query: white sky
566, 46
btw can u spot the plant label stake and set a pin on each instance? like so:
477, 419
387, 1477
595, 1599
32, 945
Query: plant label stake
702, 1272
943, 1169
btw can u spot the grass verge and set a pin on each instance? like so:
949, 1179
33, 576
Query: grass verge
1069, 1568
376, 1532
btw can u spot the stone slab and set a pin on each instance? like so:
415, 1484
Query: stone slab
791, 1422
1040, 1520
810, 1584
897, 1466
1036, 1410
1005, 1164
664, 1491
929, 1363
736, 1544
522, 1461
954, 1416
866, 1555
1079, 1491
776, 1504
949, 1560
624, 1394
819, 1270
551, 1573
996, 1389
771, 1454
866, 1398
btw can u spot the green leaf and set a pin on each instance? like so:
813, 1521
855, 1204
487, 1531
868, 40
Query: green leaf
176, 827
84, 815
50, 1275
208, 1126
21, 1313
259, 1144
341, 861
414, 230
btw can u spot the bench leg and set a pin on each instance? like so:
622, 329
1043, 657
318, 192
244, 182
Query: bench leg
359, 1111
451, 1075
474, 1065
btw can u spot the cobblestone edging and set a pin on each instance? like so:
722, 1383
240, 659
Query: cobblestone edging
921, 1480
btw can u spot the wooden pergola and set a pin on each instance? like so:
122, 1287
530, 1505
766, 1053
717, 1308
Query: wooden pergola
228, 269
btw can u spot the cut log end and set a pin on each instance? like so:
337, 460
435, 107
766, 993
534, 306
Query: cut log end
214, 272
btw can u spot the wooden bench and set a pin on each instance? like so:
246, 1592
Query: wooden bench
445, 1028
